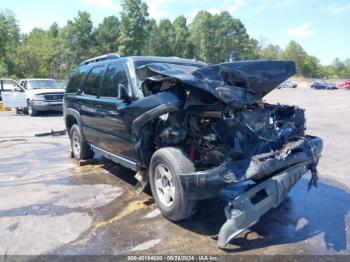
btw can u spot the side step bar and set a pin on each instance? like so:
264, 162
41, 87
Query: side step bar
117, 158
247, 208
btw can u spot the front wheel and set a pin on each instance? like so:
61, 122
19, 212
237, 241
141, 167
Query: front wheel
30, 109
167, 164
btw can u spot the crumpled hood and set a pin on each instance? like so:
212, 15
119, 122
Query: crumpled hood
237, 83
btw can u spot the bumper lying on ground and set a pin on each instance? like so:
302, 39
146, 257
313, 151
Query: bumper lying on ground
247, 208
279, 171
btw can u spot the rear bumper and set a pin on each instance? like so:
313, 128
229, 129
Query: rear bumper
246, 209
208, 183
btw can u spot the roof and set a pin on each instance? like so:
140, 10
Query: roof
37, 79
172, 59
112, 56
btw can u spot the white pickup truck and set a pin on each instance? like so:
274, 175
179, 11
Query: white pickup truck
32, 95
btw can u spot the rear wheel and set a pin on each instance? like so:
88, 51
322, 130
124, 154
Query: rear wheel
80, 148
167, 164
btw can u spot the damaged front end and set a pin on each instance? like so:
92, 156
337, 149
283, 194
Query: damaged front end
231, 135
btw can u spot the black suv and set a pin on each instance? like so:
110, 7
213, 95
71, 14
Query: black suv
193, 129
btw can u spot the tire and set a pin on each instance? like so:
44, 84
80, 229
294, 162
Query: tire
30, 109
170, 163
17, 111
80, 148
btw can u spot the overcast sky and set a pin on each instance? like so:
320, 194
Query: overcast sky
322, 27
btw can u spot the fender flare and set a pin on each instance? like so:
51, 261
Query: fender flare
141, 143
74, 113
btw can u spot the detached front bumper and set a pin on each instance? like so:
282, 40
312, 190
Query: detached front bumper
246, 209
279, 172
208, 183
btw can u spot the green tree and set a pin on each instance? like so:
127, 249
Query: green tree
271, 52
220, 38
151, 30
75, 43
182, 45
164, 36
132, 29
9, 42
295, 52
35, 55
53, 30
106, 35
202, 30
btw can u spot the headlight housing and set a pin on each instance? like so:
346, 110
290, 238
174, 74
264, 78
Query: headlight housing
38, 97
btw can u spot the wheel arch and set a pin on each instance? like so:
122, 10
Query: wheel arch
72, 117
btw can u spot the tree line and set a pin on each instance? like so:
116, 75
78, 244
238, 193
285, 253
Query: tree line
212, 38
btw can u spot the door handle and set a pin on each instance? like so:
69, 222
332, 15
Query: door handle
98, 108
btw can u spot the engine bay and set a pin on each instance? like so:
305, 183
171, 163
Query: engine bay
211, 137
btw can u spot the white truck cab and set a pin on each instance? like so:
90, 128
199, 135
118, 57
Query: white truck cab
32, 95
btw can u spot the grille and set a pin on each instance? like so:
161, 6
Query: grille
53, 97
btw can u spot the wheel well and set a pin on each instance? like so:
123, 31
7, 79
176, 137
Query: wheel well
70, 121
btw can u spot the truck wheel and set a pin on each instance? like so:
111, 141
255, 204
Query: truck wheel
80, 148
31, 110
167, 164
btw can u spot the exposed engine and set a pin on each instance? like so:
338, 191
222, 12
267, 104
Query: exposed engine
211, 137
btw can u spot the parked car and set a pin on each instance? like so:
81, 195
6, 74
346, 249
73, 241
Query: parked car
323, 85
193, 130
36, 95
288, 84
345, 85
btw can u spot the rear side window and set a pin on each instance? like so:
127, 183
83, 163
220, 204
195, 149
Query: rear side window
93, 80
75, 80
115, 76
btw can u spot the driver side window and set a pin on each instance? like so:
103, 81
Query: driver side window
115, 77
9, 85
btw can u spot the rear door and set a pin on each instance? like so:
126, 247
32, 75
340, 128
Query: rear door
115, 136
88, 105
13, 95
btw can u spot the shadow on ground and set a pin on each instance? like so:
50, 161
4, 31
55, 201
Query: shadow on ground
44, 114
321, 212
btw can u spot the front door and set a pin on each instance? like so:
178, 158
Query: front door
114, 132
13, 94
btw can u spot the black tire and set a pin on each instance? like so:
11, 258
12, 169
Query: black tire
30, 109
80, 148
17, 111
174, 161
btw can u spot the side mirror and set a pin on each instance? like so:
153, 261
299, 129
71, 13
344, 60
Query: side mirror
123, 93
19, 89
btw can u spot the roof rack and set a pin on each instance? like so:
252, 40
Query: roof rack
100, 58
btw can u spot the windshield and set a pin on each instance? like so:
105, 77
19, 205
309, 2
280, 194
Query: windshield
43, 84
180, 66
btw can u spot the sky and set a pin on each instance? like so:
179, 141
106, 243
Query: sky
322, 27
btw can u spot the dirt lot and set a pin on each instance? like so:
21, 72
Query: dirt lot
50, 205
